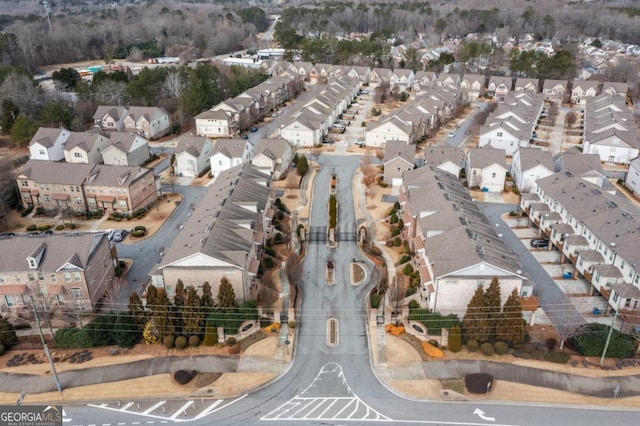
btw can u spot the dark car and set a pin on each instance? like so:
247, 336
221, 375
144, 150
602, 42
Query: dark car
254, 129
4, 235
40, 233
245, 136
539, 242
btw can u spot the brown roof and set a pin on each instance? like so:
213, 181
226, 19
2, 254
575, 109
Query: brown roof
12, 289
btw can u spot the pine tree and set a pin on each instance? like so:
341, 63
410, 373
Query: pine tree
152, 296
475, 319
302, 166
136, 309
226, 294
163, 315
493, 306
207, 297
180, 296
455, 339
511, 327
192, 316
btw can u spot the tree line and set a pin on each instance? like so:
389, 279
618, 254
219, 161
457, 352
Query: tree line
183, 91
194, 317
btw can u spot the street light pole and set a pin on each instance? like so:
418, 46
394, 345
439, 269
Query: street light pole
46, 348
606, 344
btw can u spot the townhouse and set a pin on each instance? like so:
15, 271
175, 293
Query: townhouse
398, 158
597, 231
223, 236
192, 155
474, 84
58, 272
610, 131
126, 149
86, 187
555, 91
273, 155
528, 165
499, 87
486, 168
436, 211
446, 158
85, 147
48, 144
583, 89
527, 85
149, 122
227, 153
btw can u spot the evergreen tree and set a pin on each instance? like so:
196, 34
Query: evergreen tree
7, 333
455, 339
23, 130
152, 296
226, 294
193, 316
493, 306
136, 309
510, 329
207, 297
180, 297
302, 166
162, 315
475, 319
9, 114
126, 331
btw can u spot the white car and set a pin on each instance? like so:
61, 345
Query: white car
451, 134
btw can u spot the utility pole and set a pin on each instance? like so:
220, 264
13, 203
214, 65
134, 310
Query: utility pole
606, 344
46, 348
47, 9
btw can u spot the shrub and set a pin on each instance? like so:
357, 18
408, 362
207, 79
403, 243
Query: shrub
557, 357
194, 341
433, 321
1, 349
71, 338
551, 343
59, 227
434, 343
404, 259
393, 219
333, 211
44, 227
397, 241
183, 377
139, 213
408, 269
268, 262
395, 232
455, 339
168, 341
210, 334
376, 251
181, 342
140, 228
27, 211
413, 304
487, 349
590, 341
137, 233
478, 383
431, 350
513, 213
279, 238
32, 228
501, 348
410, 291
231, 341
396, 330
270, 251
375, 300
292, 325
472, 345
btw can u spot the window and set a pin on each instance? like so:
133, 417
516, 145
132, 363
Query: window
24, 183
78, 201
76, 293
615, 297
54, 278
499, 134
77, 155
8, 300
76, 276
67, 277
479, 283
1, 279
493, 175
31, 276
42, 152
123, 204
18, 279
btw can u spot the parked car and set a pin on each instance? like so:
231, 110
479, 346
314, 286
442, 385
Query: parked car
39, 233
245, 136
539, 242
254, 129
4, 235
451, 134
120, 235
110, 233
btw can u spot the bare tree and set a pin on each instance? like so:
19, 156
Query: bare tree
396, 293
315, 152
174, 87
369, 173
381, 92
380, 154
117, 294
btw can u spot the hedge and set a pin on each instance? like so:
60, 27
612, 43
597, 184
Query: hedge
375, 300
333, 211
433, 321
210, 334
181, 342
591, 338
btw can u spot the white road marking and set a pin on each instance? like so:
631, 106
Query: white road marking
126, 406
181, 410
153, 407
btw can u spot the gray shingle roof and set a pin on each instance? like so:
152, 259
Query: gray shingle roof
46, 136
394, 149
193, 144
532, 157
479, 158
437, 155
232, 148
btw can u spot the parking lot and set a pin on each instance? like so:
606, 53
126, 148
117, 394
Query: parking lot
576, 290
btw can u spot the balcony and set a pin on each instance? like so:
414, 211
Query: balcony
605, 292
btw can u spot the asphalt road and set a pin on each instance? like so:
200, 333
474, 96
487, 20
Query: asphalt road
336, 384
